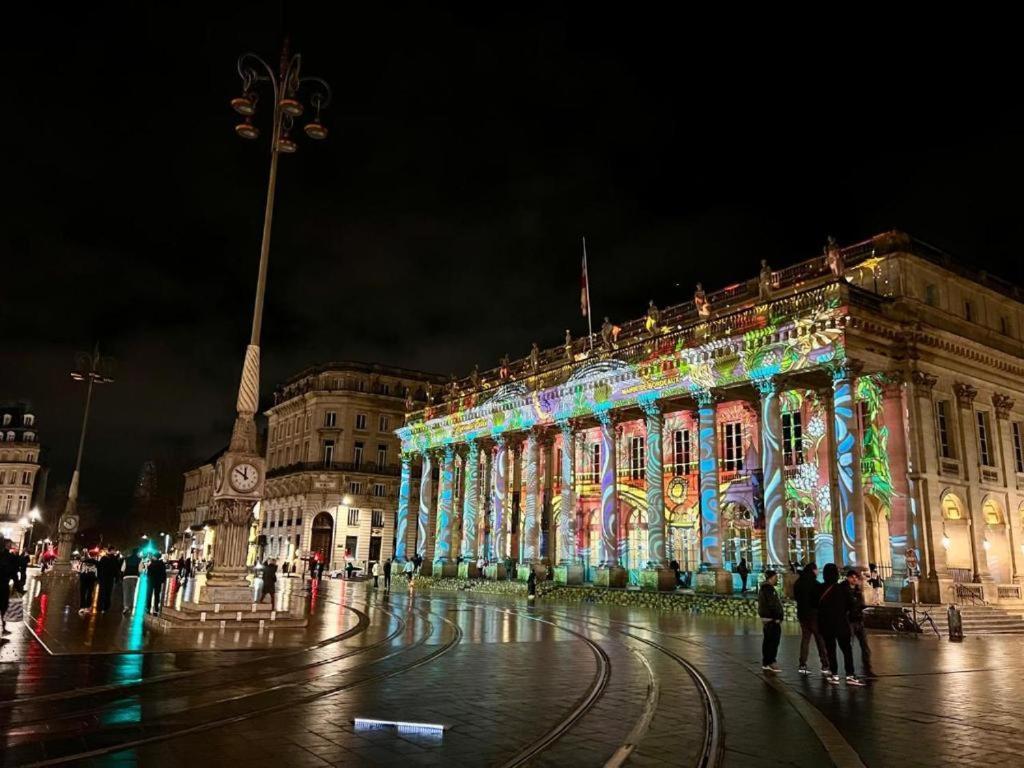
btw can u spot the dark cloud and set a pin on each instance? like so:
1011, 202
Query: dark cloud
439, 225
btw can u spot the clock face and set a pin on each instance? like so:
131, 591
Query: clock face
244, 477
69, 523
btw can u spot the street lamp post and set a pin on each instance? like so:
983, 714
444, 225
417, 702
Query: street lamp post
239, 473
29, 522
93, 369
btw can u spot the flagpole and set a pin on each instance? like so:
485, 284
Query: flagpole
586, 271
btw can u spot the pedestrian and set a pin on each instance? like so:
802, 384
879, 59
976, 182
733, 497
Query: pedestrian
349, 569
807, 593
744, 571
834, 620
481, 564
106, 575
257, 580
531, 586
156, 574
8, 573
269, 581
408, 570
376, 574
387, 575
876, 585
856, 582
769, 608
23, 560
86, 581
674, 565
130, 580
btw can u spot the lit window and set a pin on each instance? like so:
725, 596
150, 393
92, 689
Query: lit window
984, 440
945, 442
355, 488
792, 439
353, 517
1018, 447
379, 490
595, 462
732, 434
636, 458
29, 419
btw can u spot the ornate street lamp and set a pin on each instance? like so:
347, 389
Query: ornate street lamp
92, 369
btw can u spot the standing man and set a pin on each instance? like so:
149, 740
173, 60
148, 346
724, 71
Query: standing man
807, 592
834, 620
157, 575
269, 581
129, 581
408, 570
22, 570
376, 574
387, 575
86, 582
744, 572
8, 572
106, 574
769, 608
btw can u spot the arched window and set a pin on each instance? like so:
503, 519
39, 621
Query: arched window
952, 507
992, 512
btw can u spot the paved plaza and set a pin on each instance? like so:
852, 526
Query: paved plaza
511, 684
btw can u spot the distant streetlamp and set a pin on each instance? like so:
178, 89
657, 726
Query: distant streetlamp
29, 521
94, 369
167, 541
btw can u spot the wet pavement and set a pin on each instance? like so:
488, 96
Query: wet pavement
507, 684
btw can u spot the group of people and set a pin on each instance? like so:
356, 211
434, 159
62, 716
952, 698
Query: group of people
101, 572
13, 573
830, 612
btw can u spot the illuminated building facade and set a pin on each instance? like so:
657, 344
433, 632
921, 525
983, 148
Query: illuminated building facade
864, 406
19, 471
197, 525
333, 461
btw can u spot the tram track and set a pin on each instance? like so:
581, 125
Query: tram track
456, 638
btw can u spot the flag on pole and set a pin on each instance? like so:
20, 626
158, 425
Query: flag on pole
584, 285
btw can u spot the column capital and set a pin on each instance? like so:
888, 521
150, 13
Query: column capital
767, 385
566, 427
649, 405
606, 417
923, 380
704, 397
965, 394
845, 369
1003, 404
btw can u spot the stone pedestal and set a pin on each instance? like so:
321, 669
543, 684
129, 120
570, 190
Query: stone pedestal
445, 569
235, 615
468, 570
495, 572
426, 568
657, 580
523, 572
610, 576
568, 574
717, 581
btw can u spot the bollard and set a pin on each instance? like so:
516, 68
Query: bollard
956, 623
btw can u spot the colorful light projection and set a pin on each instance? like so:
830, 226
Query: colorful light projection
566, 522
777, 533
445, 499
655, 482
470, 502
609, 505
846, 445
531, 520
710, 547
404, 492
423, 520
501, 501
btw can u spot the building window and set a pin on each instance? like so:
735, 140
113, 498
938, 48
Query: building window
10, 437
328, 453
945, 439
357, 453
732, 433
379, 490
330, 419
30, 437
26, 478
355, 487
792, 439
384, 424
801, 545
29, 419
385, 389
595, 462
636, 458
377, 518
1018, 447
557, 469
7, 419
682, 457
353, 517
931, 295
305, 451
361, 421
969, 310
382, 455
1004, 325
360, 385
984, 440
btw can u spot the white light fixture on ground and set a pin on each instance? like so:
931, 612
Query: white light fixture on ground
401, 725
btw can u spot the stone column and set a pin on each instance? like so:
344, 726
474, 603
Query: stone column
902, 533
971, 466
514, 520
569, 570
470, 502
502, 508
772, 463
1003, 404
547, 550
656, 576
423, 529
710, 545
847, 464
443, 565
402, 516
609, 573
923, 462
531, 518
486, 510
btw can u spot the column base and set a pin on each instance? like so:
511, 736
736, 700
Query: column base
445, 569
495, 572
426, 568
714, 581
468, 570
610, 576
235, 590
568, 574
657, 580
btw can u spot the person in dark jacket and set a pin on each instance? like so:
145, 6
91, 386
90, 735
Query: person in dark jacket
106, 574
834, 620
129, 581
8, 573
86, 581
856, 582
769, 608
156, 575
807, 592
269, 581
744, 572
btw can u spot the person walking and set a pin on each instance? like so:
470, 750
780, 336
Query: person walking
376, 574
744, 571
531, 586
807, 593
269, 581
8, 573
856, 582
769, 608
834, 620
387, 575
86, 582
408, 570
23, 561
156, 575
129, 581
106, 574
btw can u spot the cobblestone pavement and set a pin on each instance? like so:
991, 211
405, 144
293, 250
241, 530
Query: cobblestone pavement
551, 684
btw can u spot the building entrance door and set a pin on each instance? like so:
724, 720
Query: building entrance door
374, 549
322, 537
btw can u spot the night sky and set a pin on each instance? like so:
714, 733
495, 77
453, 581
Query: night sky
439, 225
